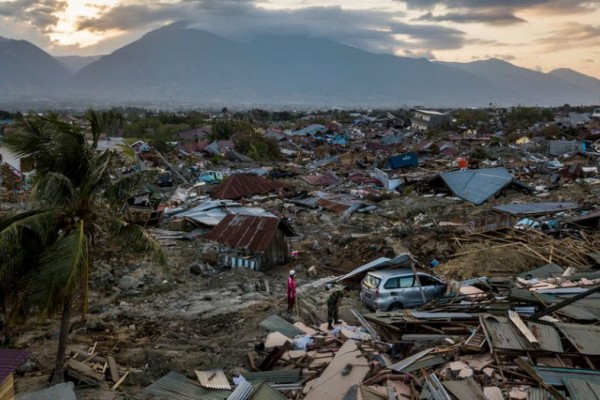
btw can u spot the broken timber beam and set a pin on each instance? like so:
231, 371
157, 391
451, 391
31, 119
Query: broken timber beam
564, 303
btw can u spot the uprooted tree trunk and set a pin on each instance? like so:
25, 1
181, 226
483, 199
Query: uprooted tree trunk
58, 375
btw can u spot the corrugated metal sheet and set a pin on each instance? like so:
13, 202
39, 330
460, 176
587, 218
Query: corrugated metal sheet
408, 361
538, 394
321, 180
582, 390
10, 359
263, 391
583, 337
242, 392
466, 389
535, 208
175, 386
546, 271
525, 296
502, 334
213, 379
381, 262
247, 232
477, 185
274, 323
547, 335
244, 185
556, 376
278, 376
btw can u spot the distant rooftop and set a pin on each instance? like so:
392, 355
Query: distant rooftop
431, 112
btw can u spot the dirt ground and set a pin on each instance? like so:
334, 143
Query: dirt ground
194, 316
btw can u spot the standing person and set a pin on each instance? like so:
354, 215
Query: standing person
333, 304
291, 291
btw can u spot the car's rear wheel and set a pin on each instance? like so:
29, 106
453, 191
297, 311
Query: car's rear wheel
396, 307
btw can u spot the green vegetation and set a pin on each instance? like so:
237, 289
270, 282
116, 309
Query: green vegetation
46, 253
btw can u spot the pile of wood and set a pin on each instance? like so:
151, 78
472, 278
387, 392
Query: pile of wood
89, 368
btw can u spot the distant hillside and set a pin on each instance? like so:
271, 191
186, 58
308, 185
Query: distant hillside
175, 65
28, 72
526, 86
584, 82
76, 63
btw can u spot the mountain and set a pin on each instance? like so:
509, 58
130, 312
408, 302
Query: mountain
29, 73
76, 63
175, 65
584, 82
526, 86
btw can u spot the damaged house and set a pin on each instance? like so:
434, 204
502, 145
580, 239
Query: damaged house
251, 241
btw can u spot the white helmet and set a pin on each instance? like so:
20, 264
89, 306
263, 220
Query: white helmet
292, 272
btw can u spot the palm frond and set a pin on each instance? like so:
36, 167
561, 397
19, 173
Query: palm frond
22, 238
54, 190
136, 238
64, 268
127, 185
127, 151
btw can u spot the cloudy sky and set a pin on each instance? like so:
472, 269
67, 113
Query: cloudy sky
537, 34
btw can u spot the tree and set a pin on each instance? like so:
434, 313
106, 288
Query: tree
72, 182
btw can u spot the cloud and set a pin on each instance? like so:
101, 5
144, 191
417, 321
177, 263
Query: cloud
491, 18
572, 35
373, 30
40, 14
495, 12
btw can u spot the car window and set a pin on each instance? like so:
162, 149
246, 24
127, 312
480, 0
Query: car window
428, 280
371, 281
406, 281
391, 283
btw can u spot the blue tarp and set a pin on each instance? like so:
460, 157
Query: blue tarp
477, 185
403, 161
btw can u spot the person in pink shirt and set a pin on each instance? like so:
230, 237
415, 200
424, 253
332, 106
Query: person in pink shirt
291, 291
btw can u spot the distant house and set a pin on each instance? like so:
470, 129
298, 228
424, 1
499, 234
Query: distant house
251, 241
238, 186
19, 164
426, 119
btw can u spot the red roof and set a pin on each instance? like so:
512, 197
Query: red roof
244, 185
247, 231
9, 361
321, 180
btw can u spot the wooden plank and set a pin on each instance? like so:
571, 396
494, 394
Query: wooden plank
252, 361
84, 369
6, 389
116, 385
113, 369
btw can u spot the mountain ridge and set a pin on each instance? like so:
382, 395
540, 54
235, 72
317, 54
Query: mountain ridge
175, 64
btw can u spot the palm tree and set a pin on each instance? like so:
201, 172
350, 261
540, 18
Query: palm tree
73, 183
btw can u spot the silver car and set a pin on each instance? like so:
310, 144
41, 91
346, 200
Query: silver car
395, 289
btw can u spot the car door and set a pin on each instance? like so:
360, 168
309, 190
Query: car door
430, 286
411, 296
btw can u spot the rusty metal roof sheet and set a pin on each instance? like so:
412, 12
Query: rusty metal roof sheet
580, 389
213, 379
274, 323
321, 180
247, 231
244, 185
10, 359
175, 386
583, 337
547, 336
502, 334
